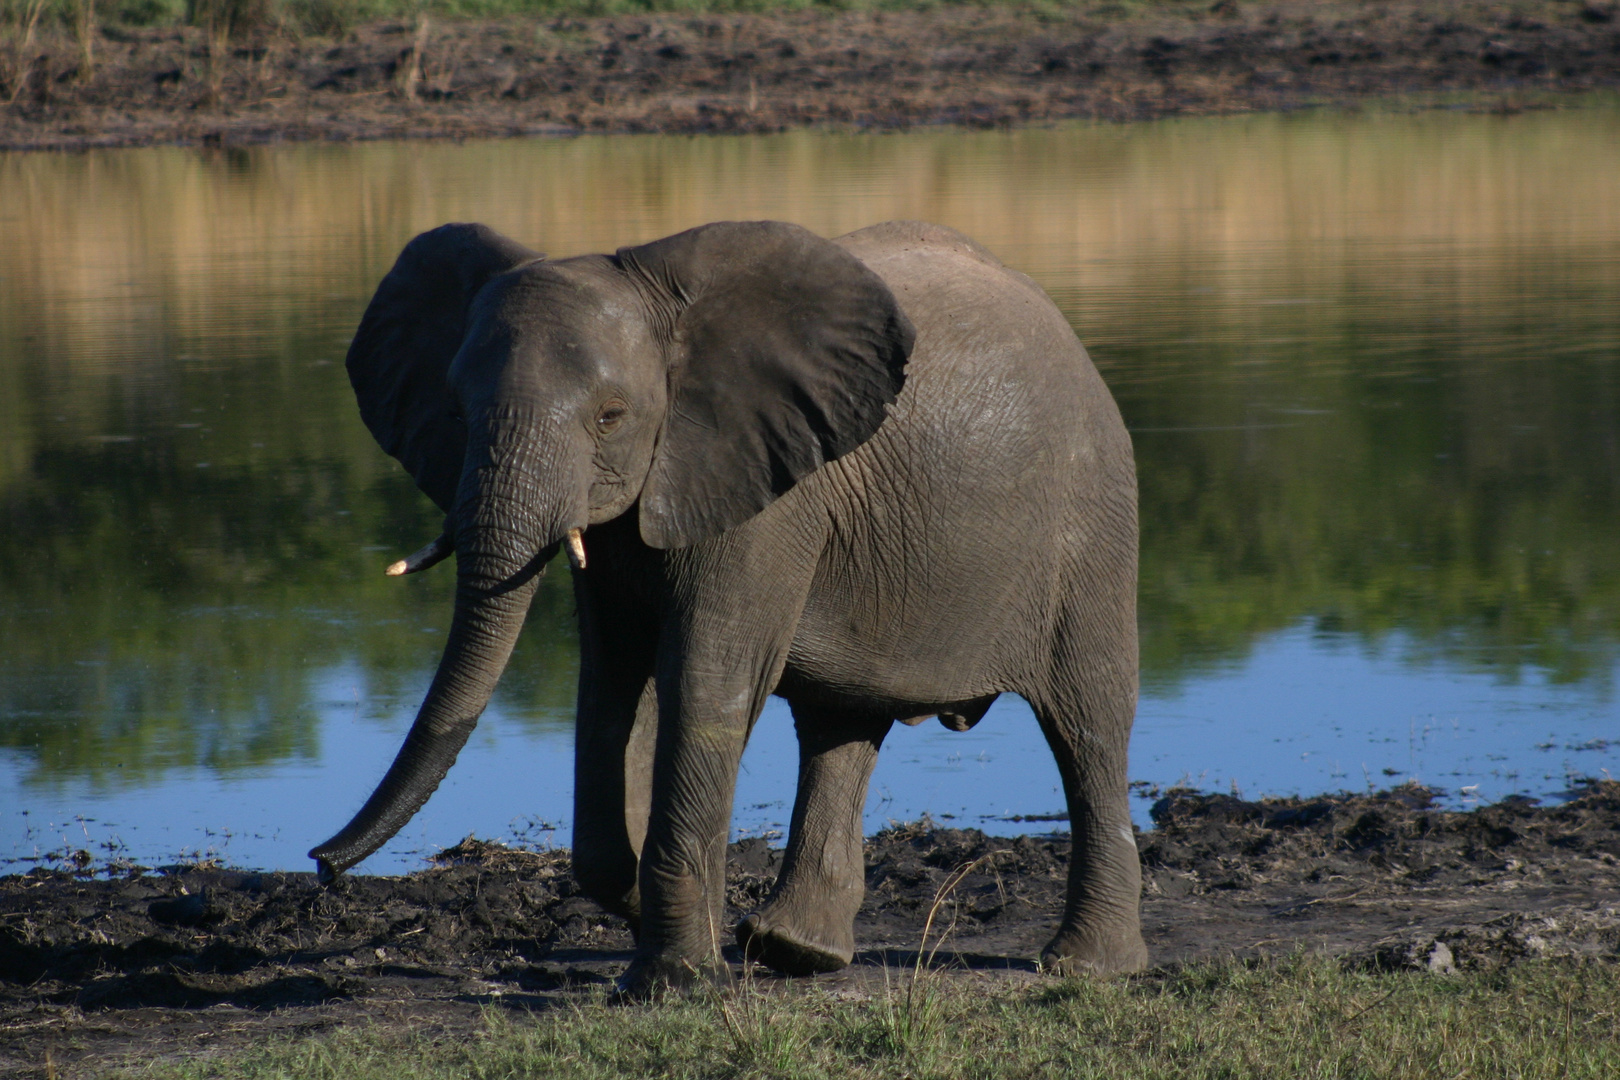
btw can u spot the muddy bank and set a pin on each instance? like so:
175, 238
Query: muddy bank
767, 72
186, 959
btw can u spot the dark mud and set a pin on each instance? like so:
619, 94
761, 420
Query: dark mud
191, 959
972, 65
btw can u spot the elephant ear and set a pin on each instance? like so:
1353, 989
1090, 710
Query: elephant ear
409, 334
784, 354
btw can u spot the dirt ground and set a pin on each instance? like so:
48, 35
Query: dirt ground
98, 967
970, 64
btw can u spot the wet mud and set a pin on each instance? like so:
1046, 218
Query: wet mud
761, 72
99, 965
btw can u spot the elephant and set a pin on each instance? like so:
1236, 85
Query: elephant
877, 476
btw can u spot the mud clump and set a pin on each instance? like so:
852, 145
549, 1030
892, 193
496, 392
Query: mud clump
973, 65
195, 936
1388, 880
187, 958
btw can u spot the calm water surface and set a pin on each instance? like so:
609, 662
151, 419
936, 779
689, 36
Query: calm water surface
1371, 364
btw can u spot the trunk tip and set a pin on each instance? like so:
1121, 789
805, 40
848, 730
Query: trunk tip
325, 872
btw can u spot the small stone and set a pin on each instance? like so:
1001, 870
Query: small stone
1440, 961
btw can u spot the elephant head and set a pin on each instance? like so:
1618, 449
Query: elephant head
691, 381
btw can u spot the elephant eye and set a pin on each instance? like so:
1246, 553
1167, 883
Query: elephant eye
610, 416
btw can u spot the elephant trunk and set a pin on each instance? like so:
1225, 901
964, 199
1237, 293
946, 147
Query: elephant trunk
498, 568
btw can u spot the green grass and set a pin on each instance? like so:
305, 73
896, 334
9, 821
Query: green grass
1297, 1018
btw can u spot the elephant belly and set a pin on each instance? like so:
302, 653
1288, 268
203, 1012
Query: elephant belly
867, 651
961, 528
936, 590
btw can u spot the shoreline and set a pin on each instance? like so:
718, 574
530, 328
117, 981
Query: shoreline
751, 73
137, 964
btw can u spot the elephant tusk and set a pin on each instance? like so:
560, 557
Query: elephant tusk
576, 549
431, 555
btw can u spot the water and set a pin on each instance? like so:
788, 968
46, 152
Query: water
1371, 363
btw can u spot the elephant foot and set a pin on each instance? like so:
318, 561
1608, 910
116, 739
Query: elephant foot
651, 978
788, 949
1095, 953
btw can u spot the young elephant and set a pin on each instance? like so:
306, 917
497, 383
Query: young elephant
877, 476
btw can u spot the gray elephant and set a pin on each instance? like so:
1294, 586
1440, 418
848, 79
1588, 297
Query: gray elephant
877, 476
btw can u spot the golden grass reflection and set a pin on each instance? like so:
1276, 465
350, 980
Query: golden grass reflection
238, 233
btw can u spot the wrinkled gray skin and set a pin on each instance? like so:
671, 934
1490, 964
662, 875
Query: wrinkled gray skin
877, 476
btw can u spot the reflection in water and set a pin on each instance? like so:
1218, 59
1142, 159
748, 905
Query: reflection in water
1370, 363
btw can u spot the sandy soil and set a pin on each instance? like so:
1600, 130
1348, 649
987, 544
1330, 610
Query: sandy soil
188, 960
766, 72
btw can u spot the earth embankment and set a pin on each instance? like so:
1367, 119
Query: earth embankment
769, 71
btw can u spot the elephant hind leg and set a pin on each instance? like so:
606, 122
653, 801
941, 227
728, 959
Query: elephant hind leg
1086, 713
808, 925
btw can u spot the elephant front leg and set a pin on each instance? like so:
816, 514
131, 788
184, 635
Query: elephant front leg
613, 749
808, 925
683, 862
721, 651
613, 743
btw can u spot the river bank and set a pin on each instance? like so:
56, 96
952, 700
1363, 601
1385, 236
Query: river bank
102, 965
768, 71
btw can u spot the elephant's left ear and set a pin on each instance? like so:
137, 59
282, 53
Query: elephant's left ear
784, 353
409, 335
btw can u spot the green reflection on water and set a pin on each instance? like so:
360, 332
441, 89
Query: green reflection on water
1370, 362
183, 583
1389, 459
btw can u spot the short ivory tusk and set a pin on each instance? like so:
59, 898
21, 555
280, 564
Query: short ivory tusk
431, 555
576, 549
